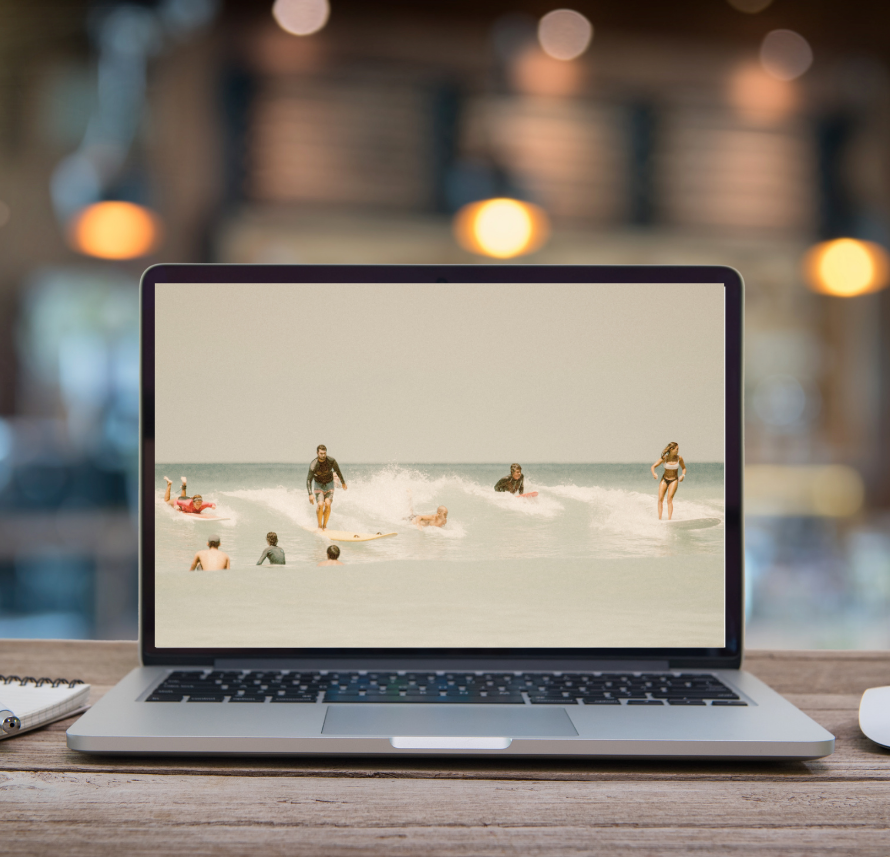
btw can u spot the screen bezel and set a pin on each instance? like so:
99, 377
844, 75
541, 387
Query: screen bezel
727, 657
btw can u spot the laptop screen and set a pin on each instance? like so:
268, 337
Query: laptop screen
439, 466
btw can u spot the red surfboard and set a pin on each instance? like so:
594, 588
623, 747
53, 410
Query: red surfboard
530, 494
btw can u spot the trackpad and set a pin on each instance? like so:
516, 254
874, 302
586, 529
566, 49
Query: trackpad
386, 721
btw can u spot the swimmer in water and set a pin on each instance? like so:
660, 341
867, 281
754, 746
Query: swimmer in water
212, 559
190, 505
333, 556
438, 519
512, 483
274, 553
671, 479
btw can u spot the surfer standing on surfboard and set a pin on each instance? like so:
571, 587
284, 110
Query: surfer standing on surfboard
321, 471
512, 483
190, 505
670, 481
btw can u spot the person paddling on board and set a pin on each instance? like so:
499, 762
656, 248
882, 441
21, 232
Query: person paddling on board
190, 505
670, 481
274, 553
321, 471
438, 519
512, 483
212, 559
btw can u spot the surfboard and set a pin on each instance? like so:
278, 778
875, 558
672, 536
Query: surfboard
346, 536
194, 517
694, 523
530, 494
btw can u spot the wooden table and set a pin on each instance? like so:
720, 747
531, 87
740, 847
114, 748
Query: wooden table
54, 801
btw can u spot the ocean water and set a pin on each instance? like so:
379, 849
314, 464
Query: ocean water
582, 511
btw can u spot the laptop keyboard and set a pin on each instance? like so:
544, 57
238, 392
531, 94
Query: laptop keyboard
519, 688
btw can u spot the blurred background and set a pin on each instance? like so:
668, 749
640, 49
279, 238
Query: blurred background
748, 133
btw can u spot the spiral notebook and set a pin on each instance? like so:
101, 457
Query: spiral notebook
26, 703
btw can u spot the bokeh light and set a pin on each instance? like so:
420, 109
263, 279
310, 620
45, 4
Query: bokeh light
846, 267
751, 7
115, 230
301, 17
830, 491
785, 55
535, 73
759, 96
564, 34
502, 227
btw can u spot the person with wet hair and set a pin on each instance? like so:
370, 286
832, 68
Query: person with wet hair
274, 553
513, 483
333, 556
212, 559
671, 478
320, 481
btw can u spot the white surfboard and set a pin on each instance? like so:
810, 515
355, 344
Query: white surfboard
347, 536
192, 516
694, 523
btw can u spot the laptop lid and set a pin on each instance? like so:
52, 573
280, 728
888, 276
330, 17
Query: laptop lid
615, 389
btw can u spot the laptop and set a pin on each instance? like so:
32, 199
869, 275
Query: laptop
488, 510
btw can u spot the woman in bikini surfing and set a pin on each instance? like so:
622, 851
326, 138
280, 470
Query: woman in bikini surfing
671, 478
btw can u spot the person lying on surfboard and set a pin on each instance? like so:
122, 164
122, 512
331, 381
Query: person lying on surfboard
190, 505
512, 483
333, 556
438, 519
212, 559
321, 471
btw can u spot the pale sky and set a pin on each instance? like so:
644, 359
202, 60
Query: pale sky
438, 373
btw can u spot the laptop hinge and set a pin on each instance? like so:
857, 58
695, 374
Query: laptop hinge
415, 663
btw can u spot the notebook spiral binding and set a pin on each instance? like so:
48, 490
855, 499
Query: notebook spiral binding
38, 682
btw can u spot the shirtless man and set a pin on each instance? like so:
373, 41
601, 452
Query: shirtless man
438, 519
190, 505
333, 556
212, 559
322, 471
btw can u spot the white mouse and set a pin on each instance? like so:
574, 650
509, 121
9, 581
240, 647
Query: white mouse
874, 715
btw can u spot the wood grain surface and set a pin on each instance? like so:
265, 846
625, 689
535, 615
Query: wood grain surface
54, 800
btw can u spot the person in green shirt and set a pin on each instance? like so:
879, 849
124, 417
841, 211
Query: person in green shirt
274, 553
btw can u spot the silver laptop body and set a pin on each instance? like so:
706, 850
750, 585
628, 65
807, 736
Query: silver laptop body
549, 610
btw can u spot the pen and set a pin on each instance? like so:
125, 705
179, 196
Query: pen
9, 723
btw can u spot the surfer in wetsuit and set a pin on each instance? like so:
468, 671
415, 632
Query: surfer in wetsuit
190, 505
273, 552
321, 471
671, 479
512, 483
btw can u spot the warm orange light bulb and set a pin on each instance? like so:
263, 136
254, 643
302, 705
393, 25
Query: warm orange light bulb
502, 227
115, 230
846, 267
